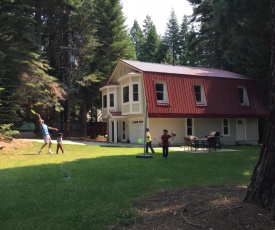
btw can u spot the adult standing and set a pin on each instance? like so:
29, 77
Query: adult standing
149, 141
46, 135
165, 143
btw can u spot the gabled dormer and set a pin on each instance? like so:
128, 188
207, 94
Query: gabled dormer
131, 93
109, 99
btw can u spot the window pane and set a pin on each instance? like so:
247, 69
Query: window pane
160, 91
160, 96
240, 90
126, 94
112, 100
105, 101
135, 92
189, 131
197, 90
225, 122
225, 130
189, 126
189, 122
159, 87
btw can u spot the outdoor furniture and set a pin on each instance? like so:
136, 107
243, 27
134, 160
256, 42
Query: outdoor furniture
217, 135
212, 143
187, 143
202, 143
193, 142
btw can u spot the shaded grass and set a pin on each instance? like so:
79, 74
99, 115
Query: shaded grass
103, 183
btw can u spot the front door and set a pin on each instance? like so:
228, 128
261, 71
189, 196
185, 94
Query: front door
240, 129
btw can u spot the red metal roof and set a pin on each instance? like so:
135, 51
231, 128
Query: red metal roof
220, 86
221, 95
183, 70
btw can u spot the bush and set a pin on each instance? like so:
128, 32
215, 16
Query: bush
7, 132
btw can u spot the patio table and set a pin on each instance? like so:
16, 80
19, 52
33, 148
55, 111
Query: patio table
201, 142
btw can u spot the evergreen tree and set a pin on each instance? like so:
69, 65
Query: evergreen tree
209, 53
150, 46
137, 38
23, 71
111, 34
147, 24
172, 38
183, 34
233, 35
162, 51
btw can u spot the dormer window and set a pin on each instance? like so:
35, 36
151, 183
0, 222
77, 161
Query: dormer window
125, 94
112, 100
161, 92
135, 92
243, 96
104, 101
199, 95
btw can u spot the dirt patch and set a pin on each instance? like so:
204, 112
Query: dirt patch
213, 208
14, 144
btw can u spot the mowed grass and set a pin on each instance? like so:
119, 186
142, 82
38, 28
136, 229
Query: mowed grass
36, 193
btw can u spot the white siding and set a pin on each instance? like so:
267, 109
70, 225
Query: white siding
157, 125
252, 132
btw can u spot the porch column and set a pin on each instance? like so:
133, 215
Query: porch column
110, 136
115, 131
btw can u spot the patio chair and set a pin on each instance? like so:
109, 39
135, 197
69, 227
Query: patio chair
212, 143
187, 143
194, 142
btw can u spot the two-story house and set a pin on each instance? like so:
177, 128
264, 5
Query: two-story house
185, 100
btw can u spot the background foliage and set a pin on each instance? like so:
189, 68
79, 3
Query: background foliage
55, 59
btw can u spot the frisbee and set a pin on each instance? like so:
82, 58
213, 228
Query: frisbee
33, 111
139, 140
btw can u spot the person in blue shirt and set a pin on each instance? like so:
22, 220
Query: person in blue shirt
46, 135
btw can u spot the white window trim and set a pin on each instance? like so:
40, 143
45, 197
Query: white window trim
138, 93
227, 135
110, 100
129, 94
131, 91
165, 93
203, 98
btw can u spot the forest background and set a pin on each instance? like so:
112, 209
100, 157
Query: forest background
56, 54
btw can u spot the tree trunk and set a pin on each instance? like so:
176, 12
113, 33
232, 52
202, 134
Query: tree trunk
84, 116
262, 187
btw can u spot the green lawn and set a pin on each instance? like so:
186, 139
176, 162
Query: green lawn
103, 183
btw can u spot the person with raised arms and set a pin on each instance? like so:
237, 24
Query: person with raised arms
46, 135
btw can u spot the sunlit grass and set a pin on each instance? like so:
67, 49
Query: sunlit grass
93, 187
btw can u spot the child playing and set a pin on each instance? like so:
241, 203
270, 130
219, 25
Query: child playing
59, 143
165, 143
46, 135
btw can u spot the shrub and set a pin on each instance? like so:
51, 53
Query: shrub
7, 132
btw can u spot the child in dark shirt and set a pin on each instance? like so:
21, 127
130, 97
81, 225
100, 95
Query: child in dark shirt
165, 143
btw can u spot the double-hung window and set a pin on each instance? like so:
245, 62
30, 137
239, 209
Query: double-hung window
135, 92
112, 100
189, 126
243, 96
161, 93
104, 102
225, 127
125, 94
199, 95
